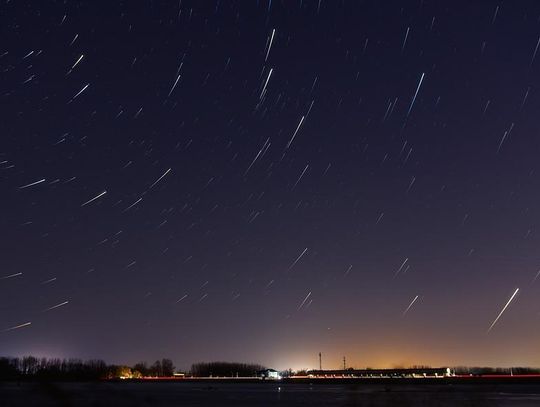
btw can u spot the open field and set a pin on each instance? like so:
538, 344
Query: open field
220, 393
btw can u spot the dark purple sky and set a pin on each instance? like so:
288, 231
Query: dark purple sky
271, 179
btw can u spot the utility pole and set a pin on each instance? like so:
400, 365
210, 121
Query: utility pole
344, 364
320, 361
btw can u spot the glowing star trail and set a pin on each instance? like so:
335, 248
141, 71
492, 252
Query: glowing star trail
303, 302
300, 177
536, 276
270, 45
56, 306
295, 132
50, 280
263, 91
502, 311
181, 298
79, 93
405, 40
535, 51
265, 145
94, 198
17, 327
297, 259
32, 184
160, 178
133, 204
410, 305
401, 267
77, 62
415, 94
10, 276
174, 86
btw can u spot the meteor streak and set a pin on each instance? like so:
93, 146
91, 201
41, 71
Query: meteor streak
502, 311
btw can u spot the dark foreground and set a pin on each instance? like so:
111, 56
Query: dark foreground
155, 394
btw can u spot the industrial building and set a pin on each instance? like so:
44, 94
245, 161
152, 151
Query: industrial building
384, 373
269, 374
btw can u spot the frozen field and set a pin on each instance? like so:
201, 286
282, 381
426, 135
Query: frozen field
264, 394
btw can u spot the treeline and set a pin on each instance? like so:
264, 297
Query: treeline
225, 369
464, 370
163, 368
30, 367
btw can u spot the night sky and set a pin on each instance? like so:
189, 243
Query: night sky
266, 180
